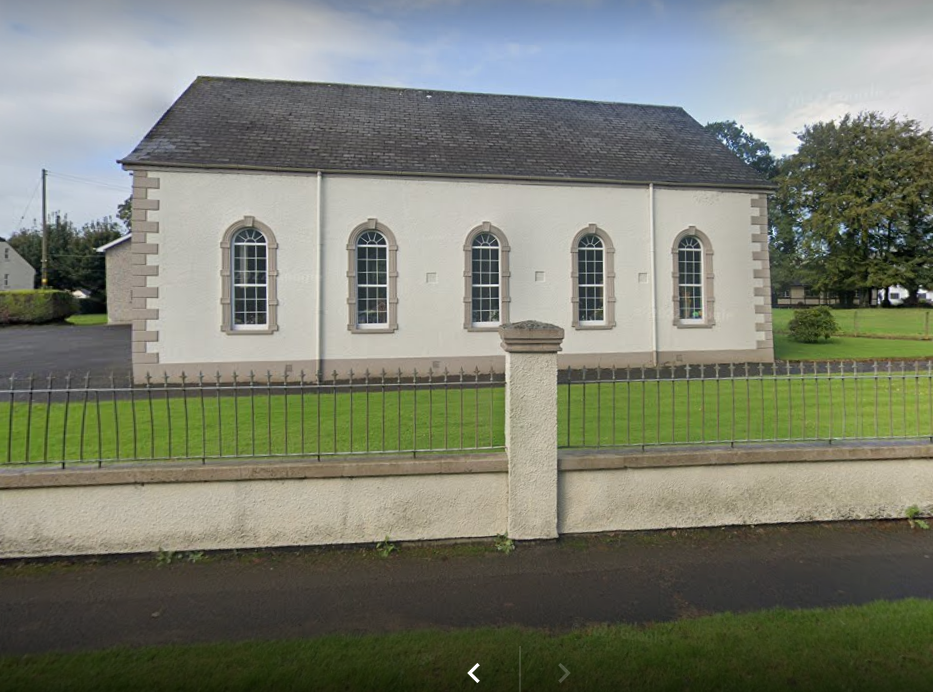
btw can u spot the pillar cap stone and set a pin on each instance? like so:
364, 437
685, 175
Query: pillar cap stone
531, 336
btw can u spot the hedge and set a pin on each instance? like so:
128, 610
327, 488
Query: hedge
36, 307
810, 325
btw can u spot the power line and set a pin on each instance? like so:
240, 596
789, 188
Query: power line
88, 181
28, 204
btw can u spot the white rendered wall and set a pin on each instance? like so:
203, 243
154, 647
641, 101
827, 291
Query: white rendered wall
242, 514
724, 218
19, 273
430, 220
195, 209
692, 496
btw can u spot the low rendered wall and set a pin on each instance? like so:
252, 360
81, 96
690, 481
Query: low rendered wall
719, 487
131, 510
224, 506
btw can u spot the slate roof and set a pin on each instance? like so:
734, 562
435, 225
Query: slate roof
309, 126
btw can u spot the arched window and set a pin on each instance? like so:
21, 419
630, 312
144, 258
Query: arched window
593, 278
250, 283
372, 274
487, 278
693, 275
486, 306
690, 283
372, 280
248, 294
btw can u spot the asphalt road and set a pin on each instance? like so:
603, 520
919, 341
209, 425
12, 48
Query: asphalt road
636, 577
62, 348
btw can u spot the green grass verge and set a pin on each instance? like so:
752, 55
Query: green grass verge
87, 320
915, 322
652, 412
880, 646
850, 348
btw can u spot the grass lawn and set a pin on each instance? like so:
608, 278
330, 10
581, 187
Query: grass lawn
850, 348
880, 646
87, 320
652, 412
155, 426
915, 322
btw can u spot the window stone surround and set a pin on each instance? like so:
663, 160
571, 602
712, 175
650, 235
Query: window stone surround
609, 276
392, 258
272, 273
709, 299
505, 297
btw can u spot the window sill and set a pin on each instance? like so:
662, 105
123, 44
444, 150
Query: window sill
237, 332
374, 330
593, 327
694, 325
490, 328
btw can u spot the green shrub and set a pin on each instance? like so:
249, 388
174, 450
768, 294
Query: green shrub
35, 307
92, 306
810, 325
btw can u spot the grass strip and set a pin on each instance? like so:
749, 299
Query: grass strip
879, 646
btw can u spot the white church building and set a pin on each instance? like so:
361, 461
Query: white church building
285, 226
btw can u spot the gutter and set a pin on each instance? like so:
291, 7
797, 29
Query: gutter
318, 302
654, 282
764, 186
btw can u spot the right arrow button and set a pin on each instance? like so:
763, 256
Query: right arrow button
566, 672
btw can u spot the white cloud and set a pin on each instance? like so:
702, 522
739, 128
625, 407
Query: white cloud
81, 83
810, 61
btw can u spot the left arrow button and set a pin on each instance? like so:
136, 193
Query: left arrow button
473, 670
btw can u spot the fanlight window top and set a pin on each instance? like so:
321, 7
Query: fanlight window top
371, 238
250, 236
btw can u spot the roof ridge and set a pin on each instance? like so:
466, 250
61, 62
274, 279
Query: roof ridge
435, 91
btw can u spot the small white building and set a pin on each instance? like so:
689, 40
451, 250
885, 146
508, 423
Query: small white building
898, 294
16, 274
288, 226
119, 270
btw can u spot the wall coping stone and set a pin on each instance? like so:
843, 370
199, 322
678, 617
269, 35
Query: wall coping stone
249, 470
721, 455
531, 336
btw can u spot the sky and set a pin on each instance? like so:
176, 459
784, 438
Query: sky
82, 82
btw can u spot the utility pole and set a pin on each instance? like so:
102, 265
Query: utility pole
45, 235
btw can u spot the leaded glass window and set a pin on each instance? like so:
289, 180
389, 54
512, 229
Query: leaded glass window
485, 299
372, 280
250, 279
690, 278
591, 275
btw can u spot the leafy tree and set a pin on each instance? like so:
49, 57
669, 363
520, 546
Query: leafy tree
753, 151
783, 238
73, 258
861, 197
125, 212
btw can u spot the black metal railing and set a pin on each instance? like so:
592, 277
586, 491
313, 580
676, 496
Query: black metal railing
74, 419
743, 403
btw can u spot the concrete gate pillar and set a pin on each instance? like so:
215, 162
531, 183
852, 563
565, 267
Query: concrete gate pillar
531, 426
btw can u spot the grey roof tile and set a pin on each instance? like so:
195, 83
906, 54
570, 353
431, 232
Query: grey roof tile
265, 124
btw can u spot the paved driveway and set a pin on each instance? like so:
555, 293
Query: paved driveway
62, 348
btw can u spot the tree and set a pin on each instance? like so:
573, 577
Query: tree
125, 212
783, 239
73, 258
860, 193
745, 145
